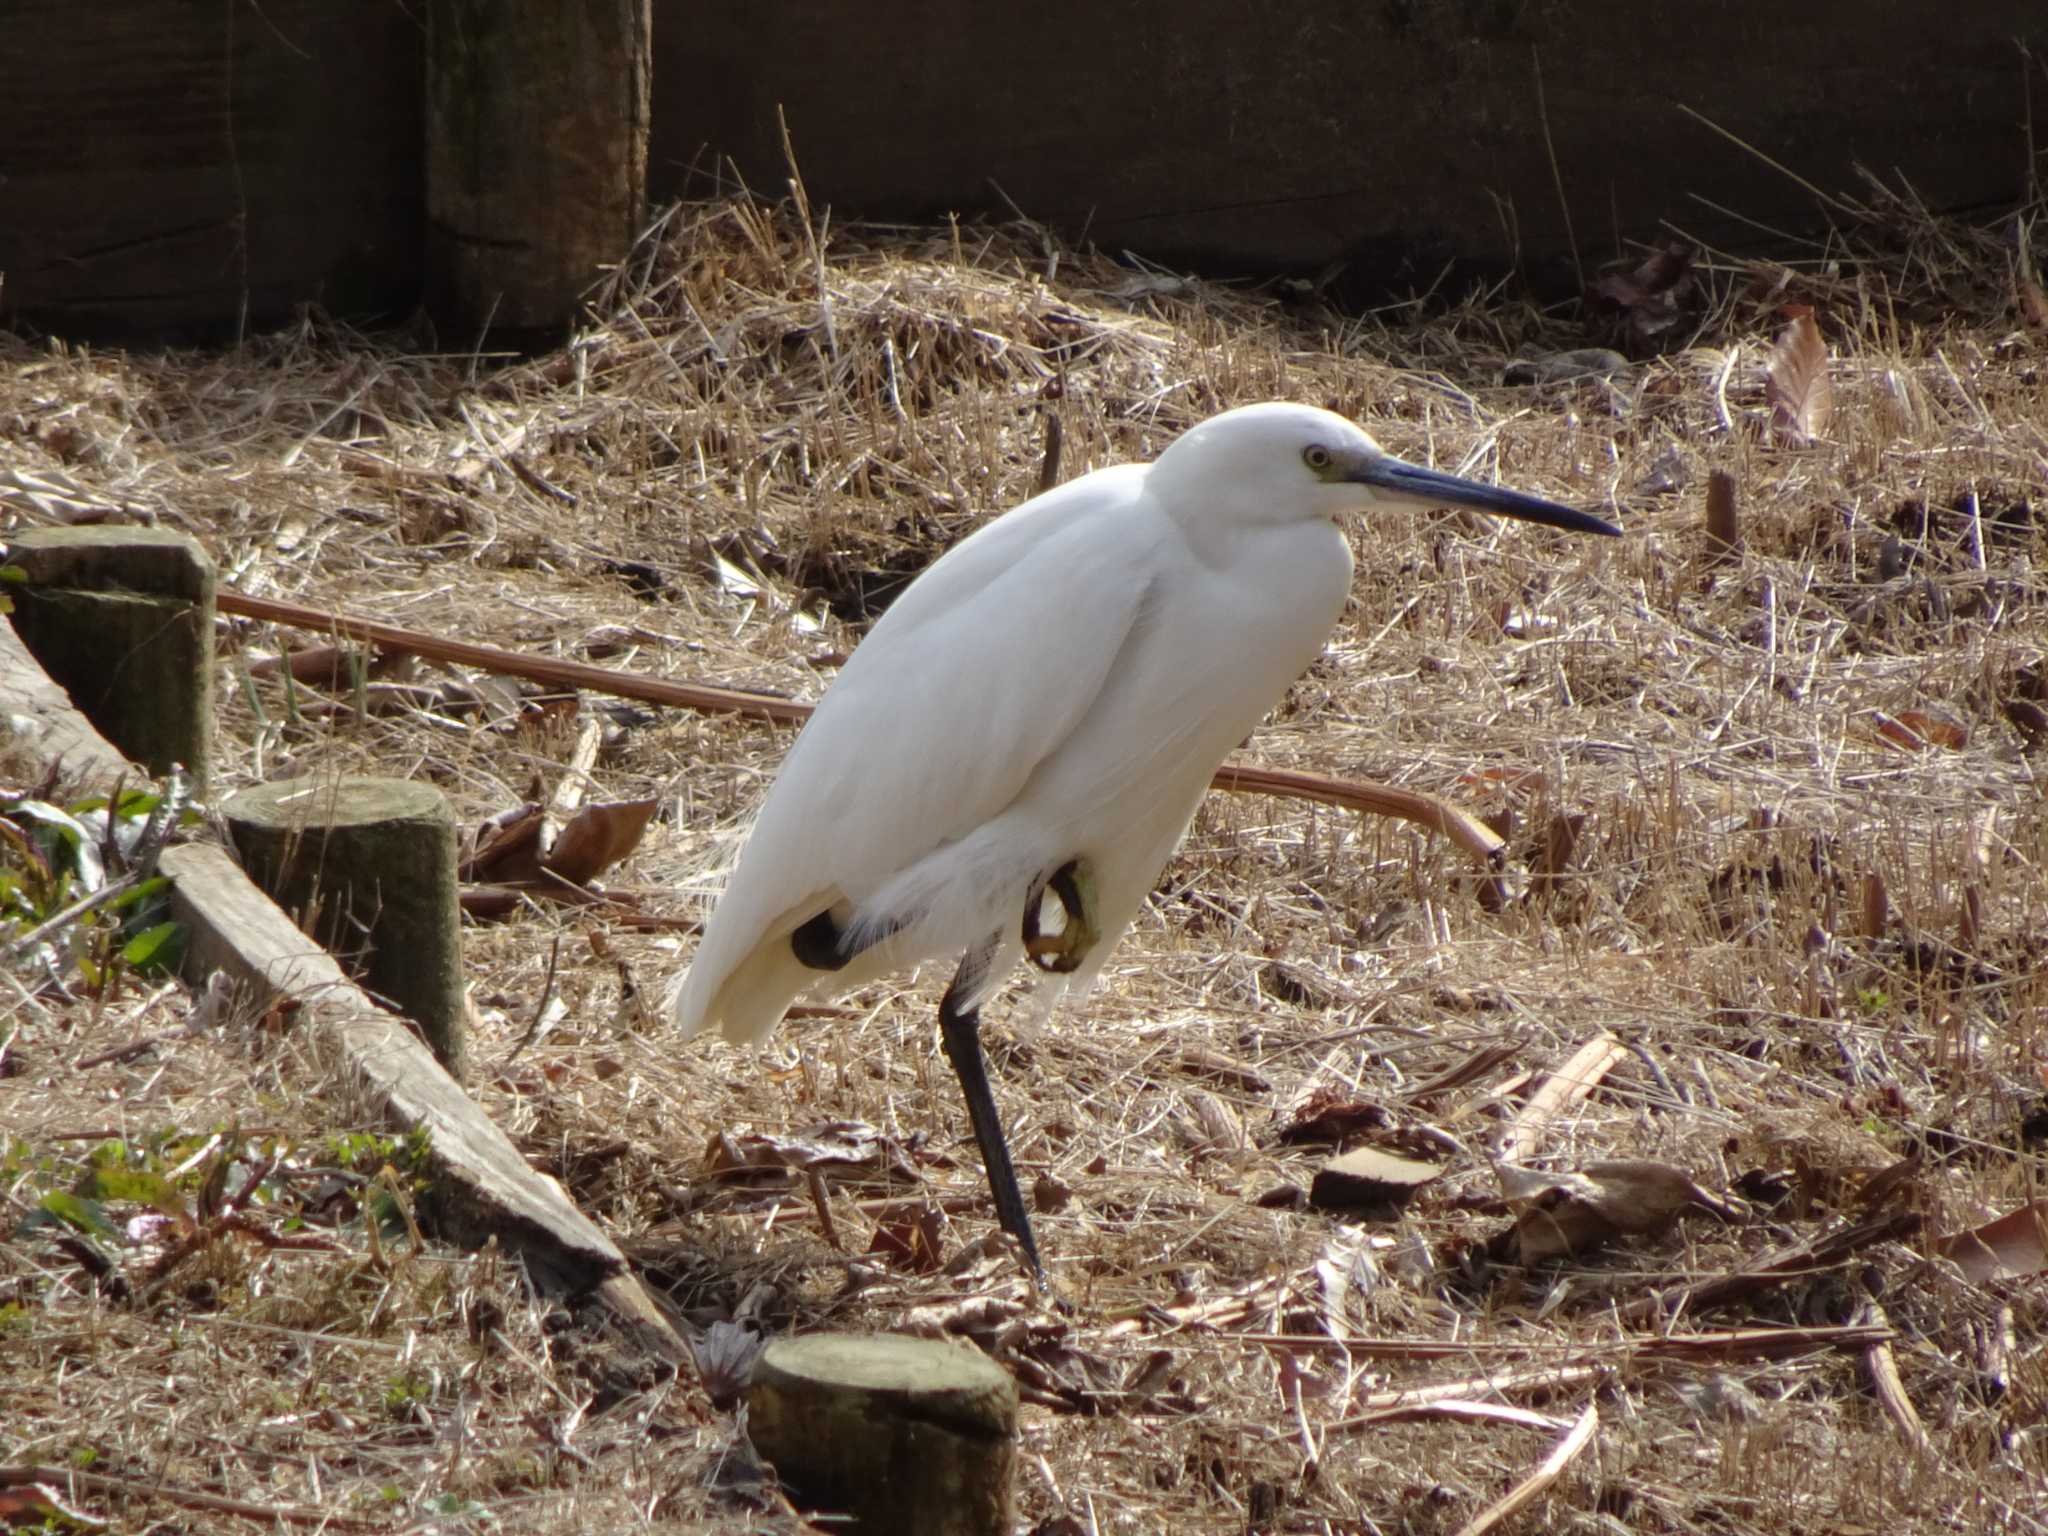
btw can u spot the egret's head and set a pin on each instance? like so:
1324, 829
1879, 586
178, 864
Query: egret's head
1280, 462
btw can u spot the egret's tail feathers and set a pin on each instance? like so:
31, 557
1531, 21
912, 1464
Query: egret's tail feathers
747, 997
948, 901
759, 991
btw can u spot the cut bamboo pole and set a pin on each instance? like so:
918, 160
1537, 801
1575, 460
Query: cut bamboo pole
1461, 826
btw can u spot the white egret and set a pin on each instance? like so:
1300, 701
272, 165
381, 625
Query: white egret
1007, 761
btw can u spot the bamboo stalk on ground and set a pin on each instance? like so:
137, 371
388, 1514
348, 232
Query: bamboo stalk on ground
1461, 826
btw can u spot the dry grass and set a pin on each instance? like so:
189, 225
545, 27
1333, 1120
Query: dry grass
1714, 735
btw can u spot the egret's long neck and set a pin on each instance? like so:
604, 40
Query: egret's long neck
1186, 482
1208, 523
1226, 527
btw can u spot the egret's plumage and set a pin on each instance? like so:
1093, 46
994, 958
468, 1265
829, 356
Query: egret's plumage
1057, 689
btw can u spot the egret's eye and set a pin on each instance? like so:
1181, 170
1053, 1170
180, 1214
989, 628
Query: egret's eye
1316, 457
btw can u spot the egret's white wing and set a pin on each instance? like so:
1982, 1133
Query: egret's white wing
971, 680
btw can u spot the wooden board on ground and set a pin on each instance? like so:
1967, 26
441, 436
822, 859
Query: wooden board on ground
484, 1188
39, 726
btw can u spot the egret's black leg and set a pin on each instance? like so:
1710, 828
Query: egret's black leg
960, 1030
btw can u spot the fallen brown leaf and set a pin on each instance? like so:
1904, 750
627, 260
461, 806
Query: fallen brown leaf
1650, 283
1644, 305
1326, 1115
840, 1143
1564, 1214
545, 713
507, 847
2013, 1246
1796, 384
1368, 1176
1915, 730
907, 1237
1553, 860
597, 837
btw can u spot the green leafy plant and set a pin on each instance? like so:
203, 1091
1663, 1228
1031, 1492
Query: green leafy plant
78, 892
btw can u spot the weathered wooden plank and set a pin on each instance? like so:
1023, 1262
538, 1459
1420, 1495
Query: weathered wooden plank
536, 157
172, 165
485, 1188
171, 168
1387, 135
39, 726
237, 929
482, 1187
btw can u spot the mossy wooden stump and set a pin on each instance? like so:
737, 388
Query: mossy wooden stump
367, 866
122, 620
900, 1434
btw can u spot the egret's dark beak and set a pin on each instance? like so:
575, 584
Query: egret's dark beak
1434, 488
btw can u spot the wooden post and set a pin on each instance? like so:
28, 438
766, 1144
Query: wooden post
901, 1434
367, 866
536, 157
121, 618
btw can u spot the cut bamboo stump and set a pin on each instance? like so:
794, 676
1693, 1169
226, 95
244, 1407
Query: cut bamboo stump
900, 1434
367, 866
537, 118
122, 620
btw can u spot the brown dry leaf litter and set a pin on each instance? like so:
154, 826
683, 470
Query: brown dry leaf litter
1796, 383
1699, 757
